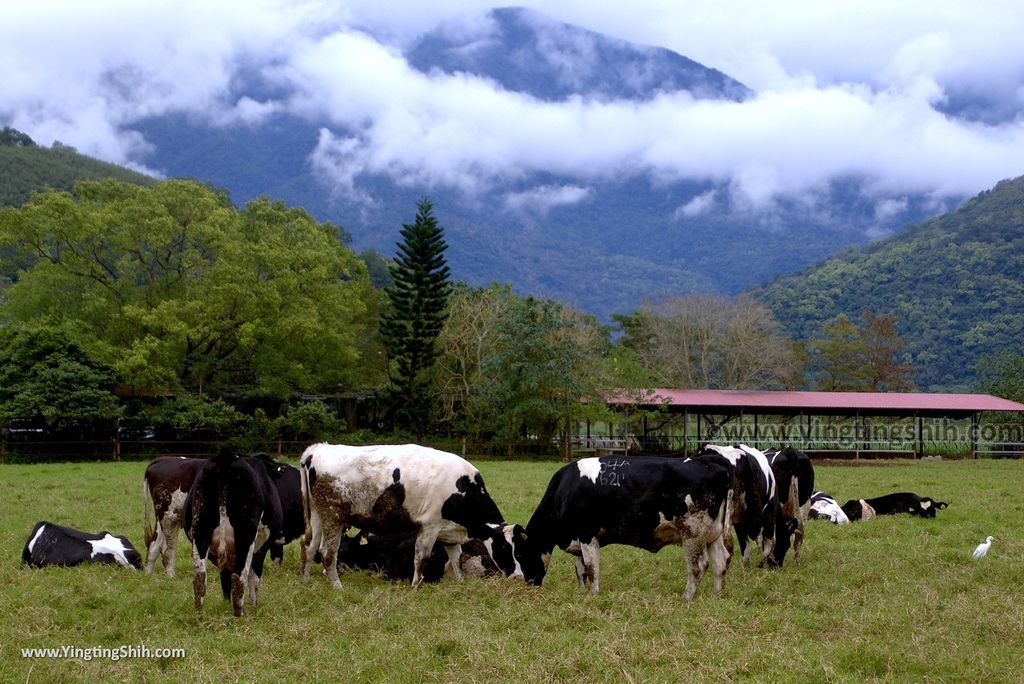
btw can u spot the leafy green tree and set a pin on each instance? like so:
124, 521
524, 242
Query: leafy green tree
418, 308
45, 374
1001, 373
180, 291
841, 353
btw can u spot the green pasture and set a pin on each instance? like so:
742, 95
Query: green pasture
892, 599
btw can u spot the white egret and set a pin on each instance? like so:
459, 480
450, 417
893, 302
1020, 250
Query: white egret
983, 548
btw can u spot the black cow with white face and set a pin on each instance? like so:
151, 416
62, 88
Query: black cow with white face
387, 489
794, 484
895, 503
755, 507
51, 544
644, 501
233, 517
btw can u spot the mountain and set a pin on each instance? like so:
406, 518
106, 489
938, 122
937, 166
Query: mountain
26, 167
602, 244
955, 284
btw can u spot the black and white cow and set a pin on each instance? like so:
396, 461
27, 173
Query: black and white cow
288, 483
232, 516
165, 486
755, 506
899, 502
858, 509
794, 483
824, 507
391, 555
388, 489
644, 501
51, 544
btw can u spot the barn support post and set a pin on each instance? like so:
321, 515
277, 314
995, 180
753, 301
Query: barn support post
920, 436
686, 433
974, 435
757, 441
856, 435
697, 446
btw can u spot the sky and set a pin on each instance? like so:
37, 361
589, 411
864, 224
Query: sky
842, 88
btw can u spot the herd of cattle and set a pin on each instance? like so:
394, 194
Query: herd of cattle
422, 514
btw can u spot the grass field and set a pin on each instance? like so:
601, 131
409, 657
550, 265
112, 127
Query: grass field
893, 599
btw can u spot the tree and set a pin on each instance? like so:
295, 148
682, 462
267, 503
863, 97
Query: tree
1001, 374
178, 290
863, 359
713, 342
45, 374
418, 307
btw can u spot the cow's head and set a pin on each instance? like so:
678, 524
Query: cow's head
471, 506
927, 506
513, 552
785, 527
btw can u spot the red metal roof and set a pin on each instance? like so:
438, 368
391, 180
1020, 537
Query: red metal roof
898, 402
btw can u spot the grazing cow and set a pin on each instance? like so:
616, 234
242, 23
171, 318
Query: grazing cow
794, 482
391, 555
754, 500
824, 507
387, 489
288, 481
50, 544
165, 486
233, 515
643, 501
901, 502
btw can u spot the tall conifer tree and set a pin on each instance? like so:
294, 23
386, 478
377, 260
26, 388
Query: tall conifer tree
418, 308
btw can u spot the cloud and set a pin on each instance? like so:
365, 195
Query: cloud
864, 89
542, 199
701, 204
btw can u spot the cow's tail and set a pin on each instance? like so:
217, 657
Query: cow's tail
305, 487
148, 531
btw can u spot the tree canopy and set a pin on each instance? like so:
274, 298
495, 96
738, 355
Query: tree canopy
177, 289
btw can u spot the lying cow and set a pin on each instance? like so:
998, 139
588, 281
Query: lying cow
755, 508
388, 489
391, 555
899, 502
858, 509
794, 481
165, 486
233, 516
824, 507
50, 544
643, 501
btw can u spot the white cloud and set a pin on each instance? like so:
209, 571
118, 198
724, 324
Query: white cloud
542, 199
701, 204
846, 88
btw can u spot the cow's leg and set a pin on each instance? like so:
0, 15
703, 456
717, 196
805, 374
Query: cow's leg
240, 578
311, 542
719, 557
454, 552
423, 548
155, 548
170, 533
693, 549
198, 576
801, 521
592, 563
330, 541
262, 546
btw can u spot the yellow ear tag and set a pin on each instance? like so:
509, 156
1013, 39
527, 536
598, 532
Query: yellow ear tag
362, 541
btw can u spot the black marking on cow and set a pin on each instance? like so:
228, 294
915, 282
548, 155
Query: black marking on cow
397, 475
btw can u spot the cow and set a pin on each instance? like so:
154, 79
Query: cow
51, 544
900, 502
165, 486
388, 489
755, 507
233, 516
824, 507
858, 509
287, 481
391, 555
794, 484
644, 501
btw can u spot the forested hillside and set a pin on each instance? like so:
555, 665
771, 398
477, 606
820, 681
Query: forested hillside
26, 167
955, 284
